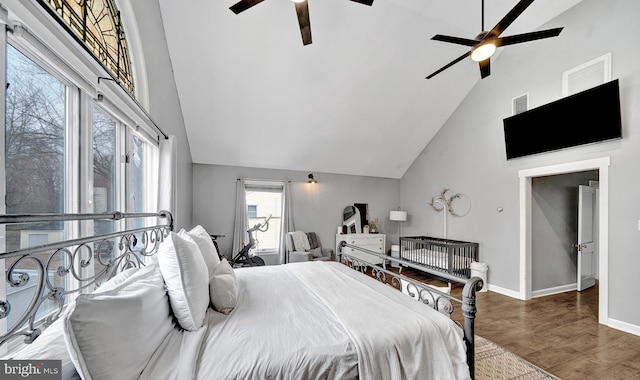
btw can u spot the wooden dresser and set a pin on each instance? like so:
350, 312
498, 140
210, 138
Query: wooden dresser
372, 242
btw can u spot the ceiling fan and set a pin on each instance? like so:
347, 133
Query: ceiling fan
485, 44
302, 9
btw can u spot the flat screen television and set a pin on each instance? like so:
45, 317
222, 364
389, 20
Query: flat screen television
587, 117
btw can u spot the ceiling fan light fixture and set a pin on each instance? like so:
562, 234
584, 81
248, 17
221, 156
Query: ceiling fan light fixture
483, 51
298, 1
485, 44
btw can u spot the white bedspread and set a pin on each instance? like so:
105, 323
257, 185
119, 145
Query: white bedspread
415, 341
329, 326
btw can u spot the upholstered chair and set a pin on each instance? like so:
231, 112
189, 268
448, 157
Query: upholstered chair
303, 246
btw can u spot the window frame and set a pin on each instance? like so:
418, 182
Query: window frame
267, 186
71, 160
72, 124
78, 161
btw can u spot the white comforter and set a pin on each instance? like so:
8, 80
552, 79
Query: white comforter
315, 320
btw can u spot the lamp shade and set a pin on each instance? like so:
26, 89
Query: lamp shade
398, 216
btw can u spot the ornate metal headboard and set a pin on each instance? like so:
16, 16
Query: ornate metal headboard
54, 272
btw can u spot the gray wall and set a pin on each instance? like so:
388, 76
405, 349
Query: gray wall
316, 208
163, 100
554, 226
467, 155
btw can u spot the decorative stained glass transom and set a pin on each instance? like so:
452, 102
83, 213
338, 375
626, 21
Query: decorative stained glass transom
97, 23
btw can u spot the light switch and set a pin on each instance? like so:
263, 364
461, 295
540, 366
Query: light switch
638, 225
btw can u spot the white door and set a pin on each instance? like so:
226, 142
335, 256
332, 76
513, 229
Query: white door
586, 237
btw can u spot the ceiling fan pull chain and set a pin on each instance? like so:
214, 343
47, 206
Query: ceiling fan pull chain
482, 17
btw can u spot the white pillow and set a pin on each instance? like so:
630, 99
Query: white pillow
223, 288
186, 276
113, 334
208, 250
116, 280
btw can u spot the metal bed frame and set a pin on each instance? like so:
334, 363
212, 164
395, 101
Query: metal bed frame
64, 270
115, 252
424, 293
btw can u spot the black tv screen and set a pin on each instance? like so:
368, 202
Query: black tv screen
583, 118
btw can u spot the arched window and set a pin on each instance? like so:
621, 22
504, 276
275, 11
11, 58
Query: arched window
97, 24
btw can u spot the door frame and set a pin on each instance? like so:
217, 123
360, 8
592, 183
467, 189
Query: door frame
526, 175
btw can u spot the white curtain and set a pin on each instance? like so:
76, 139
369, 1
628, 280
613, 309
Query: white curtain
241, 224
287, 221
167, 178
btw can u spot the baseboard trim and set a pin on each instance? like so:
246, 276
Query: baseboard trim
624, 326
504, 291
554, 290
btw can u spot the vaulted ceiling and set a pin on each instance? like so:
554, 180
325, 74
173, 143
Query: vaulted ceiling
355, 101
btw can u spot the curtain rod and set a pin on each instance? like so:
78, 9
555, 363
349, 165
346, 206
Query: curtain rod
137, 103
110, 77
264, 180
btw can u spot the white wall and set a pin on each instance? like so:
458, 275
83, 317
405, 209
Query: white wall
468, 155
316, 208
164, 104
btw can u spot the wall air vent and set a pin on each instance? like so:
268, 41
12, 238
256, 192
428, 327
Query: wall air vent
587, 75
520, 104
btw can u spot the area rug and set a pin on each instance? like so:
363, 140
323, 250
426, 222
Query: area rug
494, 362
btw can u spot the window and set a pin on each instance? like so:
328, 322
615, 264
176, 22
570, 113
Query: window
36, 239
97, 24
64, 153
104, 167
264, 200
104, 181
36, 174
142, 180
35, 136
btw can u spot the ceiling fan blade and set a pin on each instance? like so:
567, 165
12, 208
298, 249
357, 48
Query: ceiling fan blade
455, 40
485, 68
525, 37
365, 2
509, 18
302, 9
460, 58
243, 5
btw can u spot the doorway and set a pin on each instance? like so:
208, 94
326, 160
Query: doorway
559, 215
526, 176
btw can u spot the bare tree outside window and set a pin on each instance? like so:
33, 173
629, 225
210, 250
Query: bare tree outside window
34, 137
35, 131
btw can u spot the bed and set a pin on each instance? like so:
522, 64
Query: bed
162, 304
448, 256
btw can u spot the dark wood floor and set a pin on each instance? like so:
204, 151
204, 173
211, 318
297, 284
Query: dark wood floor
559, 333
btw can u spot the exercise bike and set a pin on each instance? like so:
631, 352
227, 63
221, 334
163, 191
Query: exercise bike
246, 258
